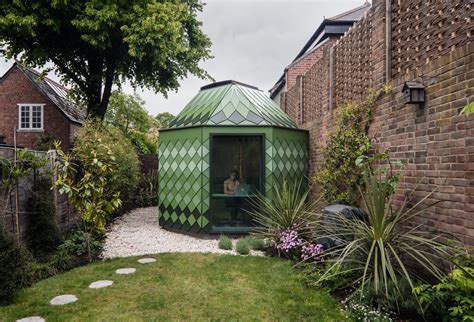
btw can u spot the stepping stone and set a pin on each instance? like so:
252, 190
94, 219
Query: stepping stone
63, 299
125, 271
101, 284
146, 260
32, 319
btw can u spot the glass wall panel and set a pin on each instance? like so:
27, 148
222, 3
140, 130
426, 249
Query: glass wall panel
236, 175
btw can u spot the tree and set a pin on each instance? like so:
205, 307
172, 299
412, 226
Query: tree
95, 44
127, 113
164, 119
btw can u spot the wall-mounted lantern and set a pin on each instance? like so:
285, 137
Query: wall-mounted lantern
414, 93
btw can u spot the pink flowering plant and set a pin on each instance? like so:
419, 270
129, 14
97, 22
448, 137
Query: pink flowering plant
287, 220
291, 245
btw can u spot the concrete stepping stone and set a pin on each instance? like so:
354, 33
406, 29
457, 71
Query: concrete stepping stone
101, 284
146, 260
32, 319
63, 299
125, 271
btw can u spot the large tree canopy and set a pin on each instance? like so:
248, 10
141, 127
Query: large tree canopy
95, 44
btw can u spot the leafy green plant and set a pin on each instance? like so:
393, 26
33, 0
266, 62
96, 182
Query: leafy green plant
62, 260
337, 178
14, 266
384, 249
225, 243
468, 109
255, 243
242, 247
122, 167
452, 299
289, 208
42, 235
80, 243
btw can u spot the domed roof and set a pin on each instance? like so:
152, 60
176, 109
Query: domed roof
230, 103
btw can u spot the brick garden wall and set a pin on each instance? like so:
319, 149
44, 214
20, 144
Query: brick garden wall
436, 143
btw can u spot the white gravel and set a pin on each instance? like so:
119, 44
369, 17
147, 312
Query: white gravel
138, 233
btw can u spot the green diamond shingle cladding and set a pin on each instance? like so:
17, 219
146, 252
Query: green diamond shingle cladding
184, 153
182, 172
232, 104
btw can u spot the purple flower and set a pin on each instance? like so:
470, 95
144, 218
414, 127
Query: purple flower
311, 251
289, 240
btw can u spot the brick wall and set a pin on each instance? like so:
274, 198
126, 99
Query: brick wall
436, 143
305, 62
15, 89
424, 30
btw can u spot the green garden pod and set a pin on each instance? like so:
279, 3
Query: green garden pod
230, 143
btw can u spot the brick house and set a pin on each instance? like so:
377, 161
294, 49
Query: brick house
33, 107
396, 42
324, 36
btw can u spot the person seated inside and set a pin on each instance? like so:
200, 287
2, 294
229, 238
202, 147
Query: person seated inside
230, 186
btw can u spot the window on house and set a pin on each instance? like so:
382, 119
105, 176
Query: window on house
31, 116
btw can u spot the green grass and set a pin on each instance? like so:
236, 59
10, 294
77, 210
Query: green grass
179, 287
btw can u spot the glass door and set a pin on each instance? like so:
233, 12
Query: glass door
236, 176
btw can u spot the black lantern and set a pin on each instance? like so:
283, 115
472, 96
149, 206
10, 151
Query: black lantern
414, 93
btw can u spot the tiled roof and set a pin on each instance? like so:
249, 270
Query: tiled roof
352, 15
56, 93
230, 103
344, 20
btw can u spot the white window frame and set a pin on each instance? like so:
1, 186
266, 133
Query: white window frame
30, 128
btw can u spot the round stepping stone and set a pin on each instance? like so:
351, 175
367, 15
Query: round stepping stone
32, 319
125, 271
63, 299
146, 260
101, 284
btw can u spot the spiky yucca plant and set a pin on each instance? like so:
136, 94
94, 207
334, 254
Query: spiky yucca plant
288, 208
385, 247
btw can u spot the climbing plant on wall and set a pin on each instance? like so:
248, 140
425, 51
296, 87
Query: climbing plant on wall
338, 175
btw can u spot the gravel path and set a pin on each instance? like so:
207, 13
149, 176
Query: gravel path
138, 233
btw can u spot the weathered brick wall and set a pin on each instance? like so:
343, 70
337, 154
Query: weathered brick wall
435, 142
15, 89
424, 30
353, 62
301, 66
291, 100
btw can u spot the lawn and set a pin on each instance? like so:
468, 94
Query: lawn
179, 287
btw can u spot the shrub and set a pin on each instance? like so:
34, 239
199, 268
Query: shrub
255, 243
42, 236
62, 260
288, 210
337, 177
225, 243
452, 299
80, 243
242, 247
123, 176
14, 267
147, 191
383, 250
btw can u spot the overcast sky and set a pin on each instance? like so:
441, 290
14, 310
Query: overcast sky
252, 42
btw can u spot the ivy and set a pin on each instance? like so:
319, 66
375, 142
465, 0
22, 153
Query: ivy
338, 174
